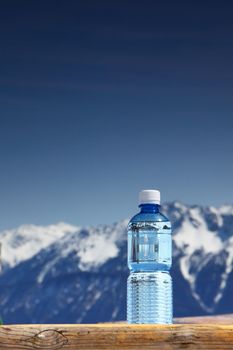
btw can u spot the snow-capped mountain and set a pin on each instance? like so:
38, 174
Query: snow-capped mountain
63, 273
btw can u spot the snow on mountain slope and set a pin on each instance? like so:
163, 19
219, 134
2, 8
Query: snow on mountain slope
100, 245
195, 235
96, 245
24, 242
199, 238
92, 246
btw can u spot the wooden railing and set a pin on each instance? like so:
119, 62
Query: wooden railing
192, 333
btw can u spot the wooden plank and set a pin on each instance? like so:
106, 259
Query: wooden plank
116, 337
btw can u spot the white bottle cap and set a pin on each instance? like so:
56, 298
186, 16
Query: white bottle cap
149, 197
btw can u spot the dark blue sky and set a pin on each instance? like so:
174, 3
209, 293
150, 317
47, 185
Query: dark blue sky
99, 99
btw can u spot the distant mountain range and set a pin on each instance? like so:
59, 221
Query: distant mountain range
67, 274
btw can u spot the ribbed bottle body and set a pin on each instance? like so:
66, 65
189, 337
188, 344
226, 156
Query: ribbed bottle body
149, 298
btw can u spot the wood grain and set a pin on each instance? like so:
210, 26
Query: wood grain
116, 336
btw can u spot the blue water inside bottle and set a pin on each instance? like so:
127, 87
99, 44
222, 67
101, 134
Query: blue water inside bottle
149, 285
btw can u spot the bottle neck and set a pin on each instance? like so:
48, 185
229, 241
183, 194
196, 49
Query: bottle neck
149, 208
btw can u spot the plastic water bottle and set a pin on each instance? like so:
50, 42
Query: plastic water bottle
149, 285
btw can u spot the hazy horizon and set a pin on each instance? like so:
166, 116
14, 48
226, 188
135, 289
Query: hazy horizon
45, 224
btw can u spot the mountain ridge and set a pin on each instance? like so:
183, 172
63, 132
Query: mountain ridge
79, 274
